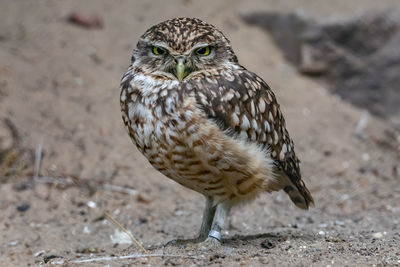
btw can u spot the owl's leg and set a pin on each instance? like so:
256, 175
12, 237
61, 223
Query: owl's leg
208, 217
221, 215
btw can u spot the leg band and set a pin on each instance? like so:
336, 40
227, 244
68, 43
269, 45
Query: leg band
215, 234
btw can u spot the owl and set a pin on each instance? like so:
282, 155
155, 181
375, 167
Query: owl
207, 122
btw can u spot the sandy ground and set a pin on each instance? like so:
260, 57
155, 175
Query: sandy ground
59, 89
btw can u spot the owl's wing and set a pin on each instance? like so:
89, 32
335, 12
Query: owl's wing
244, 106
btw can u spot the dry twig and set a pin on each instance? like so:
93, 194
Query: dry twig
120, 189
132, 256
117, 224
38, 157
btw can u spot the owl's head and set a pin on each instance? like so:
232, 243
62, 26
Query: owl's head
178, 47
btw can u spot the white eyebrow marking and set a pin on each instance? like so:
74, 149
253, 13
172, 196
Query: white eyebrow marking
197, 46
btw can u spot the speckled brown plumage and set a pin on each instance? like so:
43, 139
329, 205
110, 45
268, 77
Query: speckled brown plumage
205, 121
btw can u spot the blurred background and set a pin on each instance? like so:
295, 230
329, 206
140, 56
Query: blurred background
65, 158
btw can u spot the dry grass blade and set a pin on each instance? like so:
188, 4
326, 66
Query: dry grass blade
361, 125
38, 157
132, 256
121, 189
117, 224
64, 181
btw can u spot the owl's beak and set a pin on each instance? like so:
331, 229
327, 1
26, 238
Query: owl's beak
181, 71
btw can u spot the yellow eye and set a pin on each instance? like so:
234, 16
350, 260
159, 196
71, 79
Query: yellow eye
203, 51
158, 51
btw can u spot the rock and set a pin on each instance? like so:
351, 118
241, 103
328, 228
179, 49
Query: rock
91, 204
48, 258
39, 253
340, 223
120, 237
357, 56
377, 235
85, 21
23, 207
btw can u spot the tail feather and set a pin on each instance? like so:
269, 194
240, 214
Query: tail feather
299, 194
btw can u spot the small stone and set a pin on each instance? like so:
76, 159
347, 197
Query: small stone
321, 233
267, 244
340, 223
39, 253
140, 220
91, 204
144, 199
120, 237
323, 225
179, 213
23, 207
377, 235
86, 21
48, 258
86, 230
87, 250
14, 243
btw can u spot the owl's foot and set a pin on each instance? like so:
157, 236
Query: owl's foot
185, 242
180, 242
210, 243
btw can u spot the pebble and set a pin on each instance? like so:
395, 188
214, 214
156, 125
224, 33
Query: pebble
120, 237
48, 258
14, 243
179, 213
39, 253
86, 230
323, 225
340, 223
91, 204
344, 197
377, 235
321, 233
23, 207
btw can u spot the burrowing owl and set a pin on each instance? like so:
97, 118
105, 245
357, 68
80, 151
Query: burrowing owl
206, 122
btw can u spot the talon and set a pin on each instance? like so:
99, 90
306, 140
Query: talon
211, 243
171, 243
182, 242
